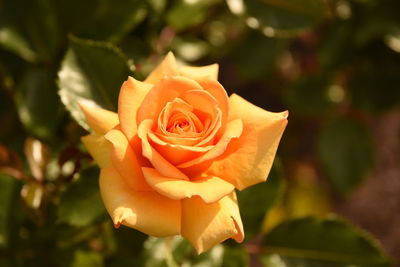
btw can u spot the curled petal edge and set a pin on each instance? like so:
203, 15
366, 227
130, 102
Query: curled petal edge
210, 188
206, 225
139, 210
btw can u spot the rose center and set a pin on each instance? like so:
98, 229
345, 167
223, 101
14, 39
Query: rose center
179, 127
178, 117
181, 122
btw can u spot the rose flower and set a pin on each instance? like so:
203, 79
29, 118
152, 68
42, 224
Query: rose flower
179, 146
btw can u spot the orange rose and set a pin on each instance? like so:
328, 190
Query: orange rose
178, 147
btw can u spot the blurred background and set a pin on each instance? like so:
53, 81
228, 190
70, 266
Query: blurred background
334, 64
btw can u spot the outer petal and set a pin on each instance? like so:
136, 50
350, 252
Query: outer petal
210, 189
206, 225
148, 212
125, 162
198, 73
99, 120
249, 158
166, 68
158, 161
99, 148
130, 98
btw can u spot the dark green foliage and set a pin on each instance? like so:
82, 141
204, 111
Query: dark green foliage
345, 151
81, 204
329, 242
93, 72
30, 29
335, 65
287, 15
39, 106
8, 189
260, 60
100, 20
256, 201
309, 95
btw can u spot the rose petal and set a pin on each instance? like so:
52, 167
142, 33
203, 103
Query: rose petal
98, 119
187, 141
99, 148
208, 108
210, 189
176, 154
148, 212
219, 93
176, 110
202, 114
163, 92
206, 225
166, 68
202, 101
199, 73
125, 161
233, 130
249, 158
160, 163
130, 98
213, 127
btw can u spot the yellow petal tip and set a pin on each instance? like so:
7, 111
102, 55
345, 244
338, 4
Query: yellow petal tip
122, 215
98, 119
285, 114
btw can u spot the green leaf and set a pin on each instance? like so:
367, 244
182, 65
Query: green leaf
6, 262
256, 201
8, 188
87, 259
13, 41
287, 15
256, 56
306, 197
176, 251
345, 150
81, 203
109, 20
374, 85
235, 257
190, 48
126, 245
38, 114
309, 95
336, 48
312, 7
158, 251
189, 13
379, 21
312, 242
29, 29
91, 71
137, 48
212, 257
12, 132
157, 5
